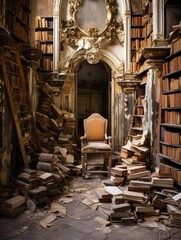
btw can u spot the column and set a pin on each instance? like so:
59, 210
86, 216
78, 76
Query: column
56, 39
153, 98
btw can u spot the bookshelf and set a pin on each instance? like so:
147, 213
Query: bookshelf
17, 15
1, 107
170, 126
141, 35
136, 38
17, 91
137, 118
44, 41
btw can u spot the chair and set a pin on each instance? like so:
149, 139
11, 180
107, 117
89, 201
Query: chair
95, 141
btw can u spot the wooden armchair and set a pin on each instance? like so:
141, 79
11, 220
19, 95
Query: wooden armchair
95, 141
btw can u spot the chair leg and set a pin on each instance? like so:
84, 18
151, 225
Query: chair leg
83, 164
109, 163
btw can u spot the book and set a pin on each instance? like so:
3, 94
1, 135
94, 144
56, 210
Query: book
122, 207
102, 195
15, 202
144, 209
143, 189
12, 212
136, 169
119, 171
125, 153
162, 182
118, 199
138, 175
134, 196
116, 215
177, 198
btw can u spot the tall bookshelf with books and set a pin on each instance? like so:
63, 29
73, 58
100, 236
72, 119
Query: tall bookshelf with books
1, 107
170, 126
44, 41
136, 38
141, 35
136, 125
17, 15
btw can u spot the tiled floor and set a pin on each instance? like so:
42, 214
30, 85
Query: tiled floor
79, 222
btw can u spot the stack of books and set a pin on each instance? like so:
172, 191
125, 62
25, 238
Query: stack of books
13, 206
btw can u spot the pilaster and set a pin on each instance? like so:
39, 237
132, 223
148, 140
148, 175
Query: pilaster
154, 75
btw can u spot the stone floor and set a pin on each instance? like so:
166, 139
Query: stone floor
79, 221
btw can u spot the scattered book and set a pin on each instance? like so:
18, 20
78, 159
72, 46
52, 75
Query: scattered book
138, 175
134, 196
102, 195
119, 171
14, 206
162, 182
143, 209
122, 207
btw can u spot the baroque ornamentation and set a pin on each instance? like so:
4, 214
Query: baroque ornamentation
92, 39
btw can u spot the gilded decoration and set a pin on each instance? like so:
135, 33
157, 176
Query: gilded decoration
91, 38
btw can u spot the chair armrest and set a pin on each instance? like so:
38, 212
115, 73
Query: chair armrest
82, 140
109, 140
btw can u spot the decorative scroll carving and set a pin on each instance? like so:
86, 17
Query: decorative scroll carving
92, 40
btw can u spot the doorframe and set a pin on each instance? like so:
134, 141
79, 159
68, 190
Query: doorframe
114, 64
109, 91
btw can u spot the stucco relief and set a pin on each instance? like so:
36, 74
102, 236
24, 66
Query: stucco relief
91, 39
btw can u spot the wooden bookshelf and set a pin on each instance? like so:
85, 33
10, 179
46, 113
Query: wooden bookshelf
137, 118
44, 41
17, 90
141, 35
170, 125
136, 38
1, 107
17, 15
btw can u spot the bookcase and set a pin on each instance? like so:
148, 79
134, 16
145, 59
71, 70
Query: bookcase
136, 38
170, 126
17, 91
44, 41
1, 106
137, 118
141, 34
17, 15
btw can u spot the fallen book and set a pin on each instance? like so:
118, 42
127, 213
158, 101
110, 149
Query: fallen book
122, 207
138, 175
119, 171
12, 212
143, 209
117, 179
31, 172
177, 198
118, 199
142, 189
102, 195
162, 182
115, 215
136, 169
174, 212
162, 175
141, 183
15, 202
134, 196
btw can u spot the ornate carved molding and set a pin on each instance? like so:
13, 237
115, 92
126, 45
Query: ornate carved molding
92, 40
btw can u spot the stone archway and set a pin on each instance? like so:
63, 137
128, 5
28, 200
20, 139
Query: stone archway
113, 63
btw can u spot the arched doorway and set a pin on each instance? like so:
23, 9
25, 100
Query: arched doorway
93, 93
